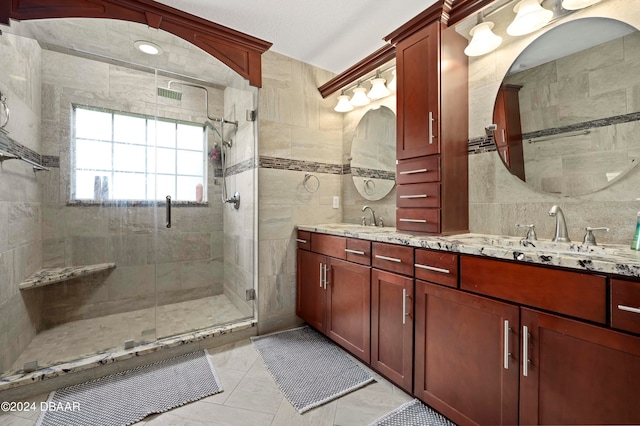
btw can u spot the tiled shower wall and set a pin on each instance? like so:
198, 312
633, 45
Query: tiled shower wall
20, 206
498, 200
181, 263
298, 133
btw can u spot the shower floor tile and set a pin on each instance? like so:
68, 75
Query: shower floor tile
77, 339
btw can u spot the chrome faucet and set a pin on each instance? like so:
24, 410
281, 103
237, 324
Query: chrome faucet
561, 234
373, 216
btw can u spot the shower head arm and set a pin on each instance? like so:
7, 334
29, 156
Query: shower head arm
206, 100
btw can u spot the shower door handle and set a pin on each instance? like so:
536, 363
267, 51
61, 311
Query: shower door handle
168, 211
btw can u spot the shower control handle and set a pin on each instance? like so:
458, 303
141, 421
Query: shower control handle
168, 211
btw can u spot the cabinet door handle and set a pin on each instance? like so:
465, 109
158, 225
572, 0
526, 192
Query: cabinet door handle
391, 259
506, 344
402, 219
504, 154
168, 212
432, 268
361, 253
301, 241
404, 306
629, 309
321, 269
413, 196
430, 127
411, 172
525, 350
326, 281
503, 138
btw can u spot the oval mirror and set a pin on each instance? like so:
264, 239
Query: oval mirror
567, 112
373, 154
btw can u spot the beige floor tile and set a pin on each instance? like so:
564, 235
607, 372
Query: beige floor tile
221, 415
230, 379
319, 416
237, 356
11, 420
367, 404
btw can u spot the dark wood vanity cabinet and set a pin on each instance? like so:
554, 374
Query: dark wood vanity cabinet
333, 295
392, 327
432, 137
508, 133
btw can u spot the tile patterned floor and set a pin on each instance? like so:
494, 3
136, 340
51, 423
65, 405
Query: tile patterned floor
77, 339
252, 398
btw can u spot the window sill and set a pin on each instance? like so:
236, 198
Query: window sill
134, 203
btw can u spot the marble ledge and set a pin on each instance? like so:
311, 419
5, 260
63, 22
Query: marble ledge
50, 276
607, 258
95, 361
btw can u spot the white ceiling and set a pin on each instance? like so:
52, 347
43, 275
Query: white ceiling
329, 34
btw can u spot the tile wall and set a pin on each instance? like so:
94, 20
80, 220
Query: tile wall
21, 210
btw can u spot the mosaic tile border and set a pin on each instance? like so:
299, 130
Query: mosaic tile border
134, 203
373, 173
11, 146
300, 165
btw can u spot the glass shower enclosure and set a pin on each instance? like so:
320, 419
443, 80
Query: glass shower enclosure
132, 232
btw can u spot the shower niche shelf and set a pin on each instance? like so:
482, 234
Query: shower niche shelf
50, 276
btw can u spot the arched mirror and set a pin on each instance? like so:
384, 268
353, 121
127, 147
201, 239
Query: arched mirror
373, 153
568, 109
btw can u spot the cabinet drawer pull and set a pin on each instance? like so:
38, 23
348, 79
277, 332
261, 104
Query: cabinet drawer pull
361, 253
321, 269
432, 268
411, 172
326, 281
506, 344
391, 259
629, 309
404, 306
504, 140
430, 127
525, 350
413, 220
301, 241
413, 196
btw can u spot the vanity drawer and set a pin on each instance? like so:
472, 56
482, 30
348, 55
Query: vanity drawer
329, 245
419, 220
392, 257
625, 305
304, 240
437, 266
418, 170
358, 251
570, 293
418, 195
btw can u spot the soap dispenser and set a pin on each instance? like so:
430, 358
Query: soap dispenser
635, 244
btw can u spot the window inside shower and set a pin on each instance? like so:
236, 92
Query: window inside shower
120, 156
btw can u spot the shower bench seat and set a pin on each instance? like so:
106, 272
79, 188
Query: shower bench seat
50, 276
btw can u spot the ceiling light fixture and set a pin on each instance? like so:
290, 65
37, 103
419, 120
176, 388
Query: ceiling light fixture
359, 97
483, 40
578, 4
343, 104
530, 17
148, 47
378, 88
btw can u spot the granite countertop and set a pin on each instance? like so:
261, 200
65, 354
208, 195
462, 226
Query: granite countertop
606, 258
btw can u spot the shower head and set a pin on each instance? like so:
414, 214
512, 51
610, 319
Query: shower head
169, 93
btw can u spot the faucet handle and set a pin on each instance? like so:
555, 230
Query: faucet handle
381, 222
531, 231
364, 221
589, 238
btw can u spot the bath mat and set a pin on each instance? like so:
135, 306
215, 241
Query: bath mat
413, 413
308, 368
127, 397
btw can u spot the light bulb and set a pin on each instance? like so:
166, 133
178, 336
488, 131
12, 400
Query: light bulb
530, 17
378, 89
483, 41
343, 104
359, 97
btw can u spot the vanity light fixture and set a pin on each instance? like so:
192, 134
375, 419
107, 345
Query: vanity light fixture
343, 103
378, 88
483, 40
359, 96
148, 47
578, 4
530, 16
392, 84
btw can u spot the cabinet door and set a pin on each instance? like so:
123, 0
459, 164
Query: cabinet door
349, 307
466, 355
392, 327
577, 373
310, 292
417, 59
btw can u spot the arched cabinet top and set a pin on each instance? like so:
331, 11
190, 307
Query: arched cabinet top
239, 51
